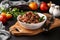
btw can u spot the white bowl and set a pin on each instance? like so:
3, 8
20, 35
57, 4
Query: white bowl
33, 26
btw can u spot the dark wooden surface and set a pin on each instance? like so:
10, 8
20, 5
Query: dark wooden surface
53, 34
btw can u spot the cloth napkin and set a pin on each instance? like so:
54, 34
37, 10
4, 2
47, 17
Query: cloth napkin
4, 35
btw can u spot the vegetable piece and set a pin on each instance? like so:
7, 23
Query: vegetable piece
3, 19
33, 5
43, 6
49, 4
8, 16
3, 14
41, 19
15, 10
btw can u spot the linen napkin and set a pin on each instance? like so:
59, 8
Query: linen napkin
4, 35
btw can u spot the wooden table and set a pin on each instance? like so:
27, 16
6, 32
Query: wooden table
53, 34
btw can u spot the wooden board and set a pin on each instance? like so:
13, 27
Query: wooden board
23, 31
18, 30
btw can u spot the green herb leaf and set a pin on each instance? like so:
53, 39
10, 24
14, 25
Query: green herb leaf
41, 19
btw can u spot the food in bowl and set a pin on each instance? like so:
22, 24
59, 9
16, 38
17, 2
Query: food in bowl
30, 17
28, 21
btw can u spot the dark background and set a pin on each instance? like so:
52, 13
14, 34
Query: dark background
53, 34
54, 1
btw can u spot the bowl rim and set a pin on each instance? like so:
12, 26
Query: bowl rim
33, 23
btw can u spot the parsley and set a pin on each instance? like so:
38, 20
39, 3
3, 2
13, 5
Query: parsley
41, 19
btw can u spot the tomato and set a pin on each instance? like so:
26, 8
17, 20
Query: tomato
8, 16
3, 14
33, 5
3, 19
43, 6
